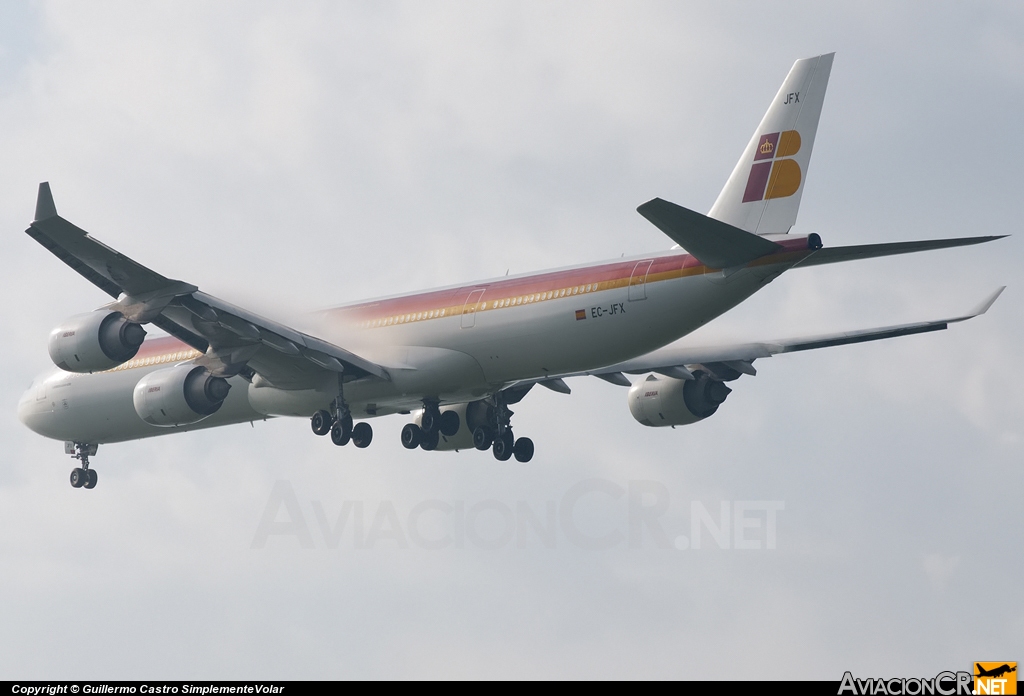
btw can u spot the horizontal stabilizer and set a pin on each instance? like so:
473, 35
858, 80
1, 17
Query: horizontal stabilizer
870, 251
713, 243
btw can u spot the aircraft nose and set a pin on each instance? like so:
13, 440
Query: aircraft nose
34, 409
23, 406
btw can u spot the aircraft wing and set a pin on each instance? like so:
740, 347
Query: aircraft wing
233, 339
729, 361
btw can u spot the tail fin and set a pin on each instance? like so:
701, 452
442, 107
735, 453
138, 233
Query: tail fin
763, 194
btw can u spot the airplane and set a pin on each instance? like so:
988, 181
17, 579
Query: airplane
454, 358
995, 672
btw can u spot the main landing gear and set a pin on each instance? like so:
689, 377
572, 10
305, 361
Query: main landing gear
83, 476
491, 424
496, 433
338, 422
433, 424
502, 442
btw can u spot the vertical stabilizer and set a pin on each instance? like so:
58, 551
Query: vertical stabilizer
763, 193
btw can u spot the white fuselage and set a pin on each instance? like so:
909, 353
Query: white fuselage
450, 345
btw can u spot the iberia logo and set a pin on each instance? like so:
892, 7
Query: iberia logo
995, 677
772, 176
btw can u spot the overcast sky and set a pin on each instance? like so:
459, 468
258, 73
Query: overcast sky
297, 155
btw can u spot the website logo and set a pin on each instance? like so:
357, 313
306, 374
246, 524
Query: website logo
995, 677
773, 175
988, 678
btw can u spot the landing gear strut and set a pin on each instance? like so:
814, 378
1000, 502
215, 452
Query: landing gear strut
83, 476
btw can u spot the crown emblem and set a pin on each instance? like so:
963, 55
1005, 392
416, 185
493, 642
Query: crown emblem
767, 147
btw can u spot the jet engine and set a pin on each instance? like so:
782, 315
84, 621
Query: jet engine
179, 395
658, 401
95, 341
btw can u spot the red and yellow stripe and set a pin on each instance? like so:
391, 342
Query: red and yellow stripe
501, 294
498, 294
159, 351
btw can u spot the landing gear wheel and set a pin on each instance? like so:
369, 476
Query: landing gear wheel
90, 478
78, 478
411, 436
523, 449
362, 434
430, 440
502, 447
430, 420
449, 423
340, 434
482, 438
321, 422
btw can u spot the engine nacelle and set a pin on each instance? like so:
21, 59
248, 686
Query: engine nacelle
95, 341
658, 401
179, 395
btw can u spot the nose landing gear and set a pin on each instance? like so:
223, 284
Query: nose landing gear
83, 476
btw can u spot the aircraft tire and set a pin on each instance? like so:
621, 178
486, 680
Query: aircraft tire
449, 423
321, 422
78, 477
90, 479
340, 435
482, 438
411, 436
362, 435
430, 440
523, 449
430, 420
502, 447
